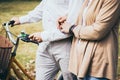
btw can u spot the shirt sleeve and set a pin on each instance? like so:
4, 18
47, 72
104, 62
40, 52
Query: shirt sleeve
104, 23
53, 35
34, 15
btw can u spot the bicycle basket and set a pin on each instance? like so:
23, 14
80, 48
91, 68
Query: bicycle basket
5, 53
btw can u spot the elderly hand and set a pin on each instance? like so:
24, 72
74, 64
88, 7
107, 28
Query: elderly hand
36, 37
61, 20
65, 27
16, 19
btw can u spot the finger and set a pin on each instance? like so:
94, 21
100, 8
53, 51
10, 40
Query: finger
59, 19
62, 30
39, 40
16, 19
31, 35
62, 20
36, 38
33, 38
62, 25
59, 22
59, 26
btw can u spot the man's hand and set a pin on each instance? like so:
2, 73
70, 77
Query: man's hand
61, 20
36, 37
16, 19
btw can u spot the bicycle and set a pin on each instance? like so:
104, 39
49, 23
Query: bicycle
12, 63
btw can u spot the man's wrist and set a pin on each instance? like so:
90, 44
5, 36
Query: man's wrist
71, 29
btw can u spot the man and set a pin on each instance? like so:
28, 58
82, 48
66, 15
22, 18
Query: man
54, 57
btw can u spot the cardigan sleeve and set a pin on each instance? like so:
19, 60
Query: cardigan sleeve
104, 22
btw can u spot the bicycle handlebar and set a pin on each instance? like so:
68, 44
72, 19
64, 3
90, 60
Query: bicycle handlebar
10, 35
24, 37
10, 23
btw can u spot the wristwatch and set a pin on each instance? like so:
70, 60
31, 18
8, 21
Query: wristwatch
71, 29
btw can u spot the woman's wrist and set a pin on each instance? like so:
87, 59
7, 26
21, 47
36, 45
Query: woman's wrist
71, 29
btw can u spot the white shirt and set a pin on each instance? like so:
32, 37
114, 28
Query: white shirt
48, 11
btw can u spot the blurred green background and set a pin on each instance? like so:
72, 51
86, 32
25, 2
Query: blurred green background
26, 51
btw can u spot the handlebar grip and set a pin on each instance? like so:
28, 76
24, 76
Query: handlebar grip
3, 24
11, 23
26, 38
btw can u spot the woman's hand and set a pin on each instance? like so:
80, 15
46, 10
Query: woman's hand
36, 37
65, 27
61, 20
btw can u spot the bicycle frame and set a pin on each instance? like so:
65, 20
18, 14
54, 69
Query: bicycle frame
13, 62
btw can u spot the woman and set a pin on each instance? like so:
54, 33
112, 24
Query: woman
94, 52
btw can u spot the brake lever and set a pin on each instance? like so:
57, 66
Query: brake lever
11, 23
25, 37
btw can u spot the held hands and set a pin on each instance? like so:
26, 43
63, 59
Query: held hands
63, 25
36, 37
61, 20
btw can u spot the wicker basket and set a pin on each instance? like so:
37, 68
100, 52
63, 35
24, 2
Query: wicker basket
5, 54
